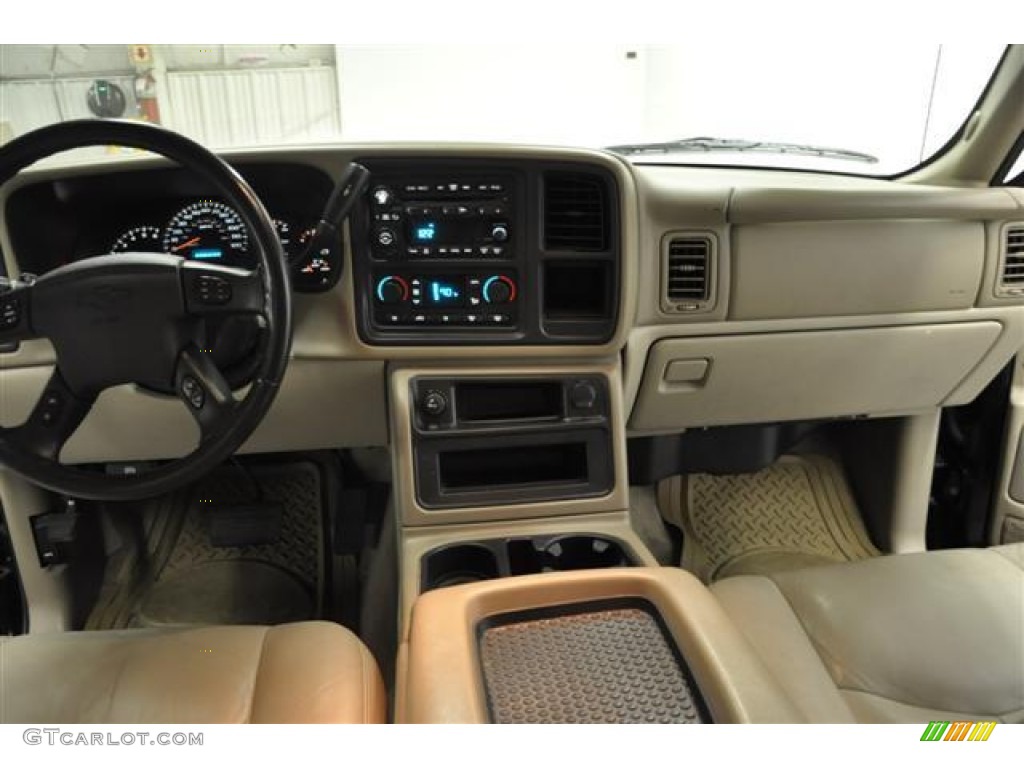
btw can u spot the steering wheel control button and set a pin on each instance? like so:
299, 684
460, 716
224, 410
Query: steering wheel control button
193, 392
213, 290
434, 404
50, 407
10, 312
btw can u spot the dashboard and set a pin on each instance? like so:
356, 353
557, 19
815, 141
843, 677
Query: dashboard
718, 296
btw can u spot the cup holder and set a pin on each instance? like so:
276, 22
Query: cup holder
575, 553
481, 560
460, 564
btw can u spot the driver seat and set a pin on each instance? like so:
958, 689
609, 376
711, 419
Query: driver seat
308, 672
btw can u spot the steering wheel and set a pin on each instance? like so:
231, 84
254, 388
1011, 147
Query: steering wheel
139, 318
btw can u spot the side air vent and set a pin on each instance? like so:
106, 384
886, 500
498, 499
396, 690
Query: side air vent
576, 216
1012, 280
687, 273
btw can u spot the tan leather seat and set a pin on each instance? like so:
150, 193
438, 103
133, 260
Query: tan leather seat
310, 672
904, 638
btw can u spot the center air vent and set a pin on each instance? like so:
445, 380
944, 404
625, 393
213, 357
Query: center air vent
687, 277
575, 212
1013, 261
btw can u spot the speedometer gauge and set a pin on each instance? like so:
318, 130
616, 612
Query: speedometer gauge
208, 231
139, 240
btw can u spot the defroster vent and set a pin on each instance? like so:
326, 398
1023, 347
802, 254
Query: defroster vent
576, 215
687, 272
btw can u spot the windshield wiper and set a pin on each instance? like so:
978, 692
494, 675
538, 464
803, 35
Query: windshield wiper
708, 144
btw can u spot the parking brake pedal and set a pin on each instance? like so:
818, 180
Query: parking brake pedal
245, 525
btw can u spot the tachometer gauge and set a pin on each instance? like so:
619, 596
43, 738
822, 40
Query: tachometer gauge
139, 240
208, 231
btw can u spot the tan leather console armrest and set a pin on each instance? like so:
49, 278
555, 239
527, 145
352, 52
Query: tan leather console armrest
440, 680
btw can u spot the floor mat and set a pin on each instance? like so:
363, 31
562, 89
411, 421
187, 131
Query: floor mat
796, 513
184, 580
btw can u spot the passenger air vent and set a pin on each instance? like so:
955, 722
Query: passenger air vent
687, 274
1013, 262
576, 216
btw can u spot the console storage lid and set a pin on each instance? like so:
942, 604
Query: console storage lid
440, 674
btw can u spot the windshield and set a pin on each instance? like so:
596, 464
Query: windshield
827, 107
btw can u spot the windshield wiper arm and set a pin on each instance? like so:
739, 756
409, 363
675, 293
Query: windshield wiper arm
708, 144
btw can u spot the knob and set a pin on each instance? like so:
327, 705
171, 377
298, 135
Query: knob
499, 289
382, 196
583, 395
386, 237
392, 290
499, 233
434, 403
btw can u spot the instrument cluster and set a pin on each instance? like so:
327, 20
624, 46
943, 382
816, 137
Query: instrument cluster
208, 230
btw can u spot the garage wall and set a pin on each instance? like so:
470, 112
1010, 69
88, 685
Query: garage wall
30, 104
219, 109
255, 107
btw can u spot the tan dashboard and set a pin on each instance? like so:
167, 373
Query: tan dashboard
799, 296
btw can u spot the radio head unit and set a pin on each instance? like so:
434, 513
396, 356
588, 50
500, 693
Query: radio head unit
442, 216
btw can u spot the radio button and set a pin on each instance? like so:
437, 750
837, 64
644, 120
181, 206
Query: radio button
385, 237
382, 197
499, 233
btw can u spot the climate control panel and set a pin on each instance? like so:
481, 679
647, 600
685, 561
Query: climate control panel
445, 298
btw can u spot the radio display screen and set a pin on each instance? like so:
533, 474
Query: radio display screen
443, 230
425, 232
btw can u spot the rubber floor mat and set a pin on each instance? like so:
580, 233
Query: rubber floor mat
799, 512
188, 581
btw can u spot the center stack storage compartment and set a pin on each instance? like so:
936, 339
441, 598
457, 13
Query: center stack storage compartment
493, 441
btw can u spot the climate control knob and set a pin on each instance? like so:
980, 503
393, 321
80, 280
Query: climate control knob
392, 290
499, 289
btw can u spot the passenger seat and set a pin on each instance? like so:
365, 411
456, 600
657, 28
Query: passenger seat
898, 639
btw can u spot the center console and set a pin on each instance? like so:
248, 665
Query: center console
621, 645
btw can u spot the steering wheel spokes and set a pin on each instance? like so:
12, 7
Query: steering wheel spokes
54, 419
142, 319
204, 390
